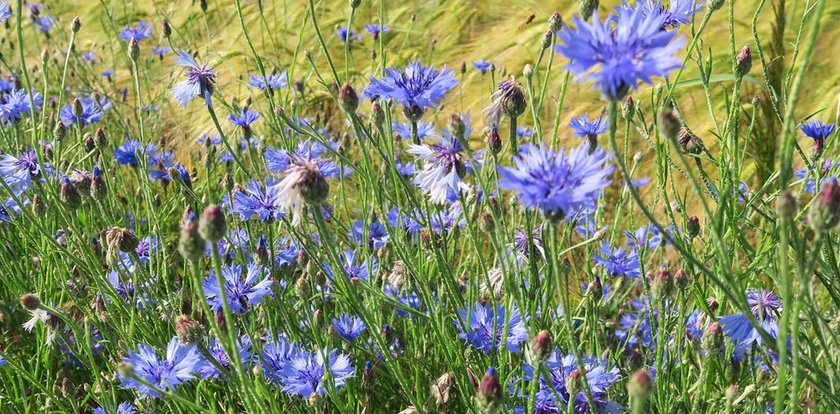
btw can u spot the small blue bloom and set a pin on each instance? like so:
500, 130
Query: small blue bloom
524, 131
176, 367
140, 31
599, 378
215, 349
43, 23
258, 199
558, 183
374, 235
617, 262
92, 111
678, 12
444, 167
415, 86
5, 11
817, 130
424, 130
304, 374
275, 80
355, 267
18, 172
242, 292
766, 307
276, 354
123, 408
376, 30
199, 83
349, 327
347, 35
15, 104
482, 65
485, 325
245, 118
619, 56
585, 128
161, 50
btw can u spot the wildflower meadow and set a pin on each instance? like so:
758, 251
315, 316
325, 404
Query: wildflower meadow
323, 206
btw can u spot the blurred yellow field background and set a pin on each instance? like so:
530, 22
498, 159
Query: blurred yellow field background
438, 32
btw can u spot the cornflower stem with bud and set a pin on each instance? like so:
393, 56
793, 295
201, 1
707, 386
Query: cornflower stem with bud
512, 136
67, 55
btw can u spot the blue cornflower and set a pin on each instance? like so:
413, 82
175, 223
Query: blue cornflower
817, 130
424, 129
524, 131
258, 199
376, 30
405, 169
443, 169
485, 325
89, 57
126, 153
635, 327
599, 378
200, 81
15, 104
304, 373
677, 13
558, 183
617, 262
618, 56
161, 50
148, 246
92, 111
123, 408
9, 210
348, 327
108, 73
6, 85
245, 118
215, 349
407, 222
377, 234
275, 80
165, 374
766, 308
242, 293
482, 65
127, 291
5, 11
444, 221
18, 172
811, 184
43, 23
355, 267
409, 300
276, 354
521, 244
3, 360
159, 163
140, 31
648, 236
236, 241
277, 161
584, 128
347, 35
415, 86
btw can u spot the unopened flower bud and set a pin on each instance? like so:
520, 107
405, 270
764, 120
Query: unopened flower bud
203, 5
825, 211
76, 25
78, 109
629, 107
669, 124
681, 280
212, 226
545, 41
457, 126
100, 139
716, 4
786, 205
692, 227
640, 385
133, 50
587, 7
125, 369
744, 60
555, 22
191, 245
494, 141
348, 98
489, 396
712, 341
187, 330
513, 98
69, 195
167, 28
540, 348
663, 283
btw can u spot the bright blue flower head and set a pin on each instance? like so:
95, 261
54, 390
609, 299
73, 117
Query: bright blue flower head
766, 307
678, 12
140, 32
5, 12
348, 327
583, 127
558, 183
415, 86
159, 51
166, 374
245, 118
123, 408
304, 373
275, 80
486, 325
619, 56
817, 130
92, 111
256, 199
376, 30
347, 35
199, 83
242, 292
214, 348
599, 378
617, 262
424, 130
15, 104
43, 23
18, 172
482, 65
374, 235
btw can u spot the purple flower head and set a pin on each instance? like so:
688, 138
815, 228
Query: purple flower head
599, 378
127, 152
355, 267
558, 183
275, 81
19, 172
307, 373
200, 81
485, 325
374, 235
424, 130
176, 367
140, 32
584, 128
245, 118
617, 262
242, 292
347, 35
214, 348
817, 130
161, 50
5, 11
766, 307
123, 408
92, 111
348, 327
43, 23
257, 199
618, 56
678, 12
128, 291
524, 131
415, 86
521, 244
444, 167
15, 104
376, 30
482, 65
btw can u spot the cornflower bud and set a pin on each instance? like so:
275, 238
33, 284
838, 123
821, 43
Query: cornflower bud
489, 396
76, 25
692, 227
98, 190
786, 205
187, 330
540, 348
825, 211
133, 50
69, 195
212, 226
744, 60
669, 124
191, 245
30, 302
348, 98
555, 22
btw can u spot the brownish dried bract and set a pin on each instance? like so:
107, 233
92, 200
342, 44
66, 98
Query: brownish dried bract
441, 387
527, 22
